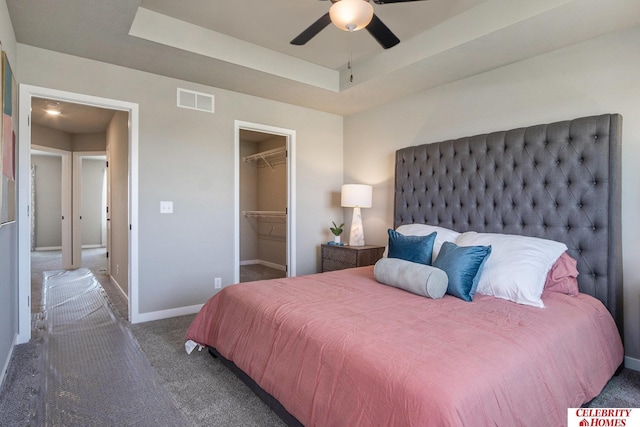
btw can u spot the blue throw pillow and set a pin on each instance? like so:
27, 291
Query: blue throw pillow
411, 248
463, 265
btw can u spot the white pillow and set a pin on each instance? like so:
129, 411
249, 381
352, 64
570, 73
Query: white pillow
443, 235
517, 268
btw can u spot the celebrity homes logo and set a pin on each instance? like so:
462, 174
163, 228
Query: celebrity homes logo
603, 417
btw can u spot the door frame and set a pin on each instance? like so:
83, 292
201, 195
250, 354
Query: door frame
78, 157
66, 159
27, 92
290, 136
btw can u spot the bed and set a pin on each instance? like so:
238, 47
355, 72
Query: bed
340, 348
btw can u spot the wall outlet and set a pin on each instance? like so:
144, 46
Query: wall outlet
166, 207
218, 282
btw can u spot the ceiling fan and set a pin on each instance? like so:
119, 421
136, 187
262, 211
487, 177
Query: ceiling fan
353, 15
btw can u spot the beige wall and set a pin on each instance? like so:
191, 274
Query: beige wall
186, 156
593, 77
118, 155
248, 202
92, 198
48, 196
272, 196
88, 142
51, 138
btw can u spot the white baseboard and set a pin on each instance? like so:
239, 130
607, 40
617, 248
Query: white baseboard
48, 248
118, 287
59, 248
5, 366
631, 363
165, 314
265, 263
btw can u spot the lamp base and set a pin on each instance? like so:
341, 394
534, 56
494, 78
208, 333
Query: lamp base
356, 234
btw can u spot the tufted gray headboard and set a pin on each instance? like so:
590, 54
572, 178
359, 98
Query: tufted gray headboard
559, 181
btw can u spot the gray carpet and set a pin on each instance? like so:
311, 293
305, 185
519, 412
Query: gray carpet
206, 391
202, 388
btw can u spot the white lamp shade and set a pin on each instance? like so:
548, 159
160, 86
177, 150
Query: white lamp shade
356, 195
351, 15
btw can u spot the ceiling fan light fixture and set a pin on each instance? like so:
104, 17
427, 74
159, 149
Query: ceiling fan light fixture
351, 15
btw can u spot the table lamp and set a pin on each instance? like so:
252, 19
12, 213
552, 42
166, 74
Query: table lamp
356, 196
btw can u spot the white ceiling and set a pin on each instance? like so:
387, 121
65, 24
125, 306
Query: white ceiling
243, 45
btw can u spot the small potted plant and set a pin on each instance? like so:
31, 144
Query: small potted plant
337, 231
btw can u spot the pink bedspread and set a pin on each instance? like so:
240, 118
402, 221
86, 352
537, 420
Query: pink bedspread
340, 349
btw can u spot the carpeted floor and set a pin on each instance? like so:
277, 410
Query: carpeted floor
202, 388
206, 391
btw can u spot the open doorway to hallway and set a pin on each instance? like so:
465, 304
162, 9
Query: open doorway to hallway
124, 131
71, 189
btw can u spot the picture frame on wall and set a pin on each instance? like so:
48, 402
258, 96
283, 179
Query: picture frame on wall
8, 143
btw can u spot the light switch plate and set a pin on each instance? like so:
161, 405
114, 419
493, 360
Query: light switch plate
166, 207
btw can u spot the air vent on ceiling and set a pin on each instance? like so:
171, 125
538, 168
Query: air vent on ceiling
195, 100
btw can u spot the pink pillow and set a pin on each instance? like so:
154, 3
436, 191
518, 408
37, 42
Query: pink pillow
563, 276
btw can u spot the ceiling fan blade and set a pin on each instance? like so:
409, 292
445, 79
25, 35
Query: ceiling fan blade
382, 33
312, 30
392, 1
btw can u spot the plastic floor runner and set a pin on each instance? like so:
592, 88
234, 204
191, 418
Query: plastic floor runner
92, 371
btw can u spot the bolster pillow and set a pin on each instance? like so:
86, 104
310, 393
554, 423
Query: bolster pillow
419, 279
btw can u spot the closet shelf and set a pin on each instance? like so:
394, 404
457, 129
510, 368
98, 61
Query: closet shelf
270, 158
266, 215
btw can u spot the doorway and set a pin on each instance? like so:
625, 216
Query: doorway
265, 206
124, 127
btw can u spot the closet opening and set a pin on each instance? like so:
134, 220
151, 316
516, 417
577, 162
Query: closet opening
264, 214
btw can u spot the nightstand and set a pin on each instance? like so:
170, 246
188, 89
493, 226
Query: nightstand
341, 257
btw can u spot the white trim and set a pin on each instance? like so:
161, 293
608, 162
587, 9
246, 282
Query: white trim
166, 314
272, 265
27, 92
76, 211
632, 363
5, 367
48, 248
59, 248
265, 263
290, 135
134, 307
78, 157
92, 246
66, 196
118, 287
